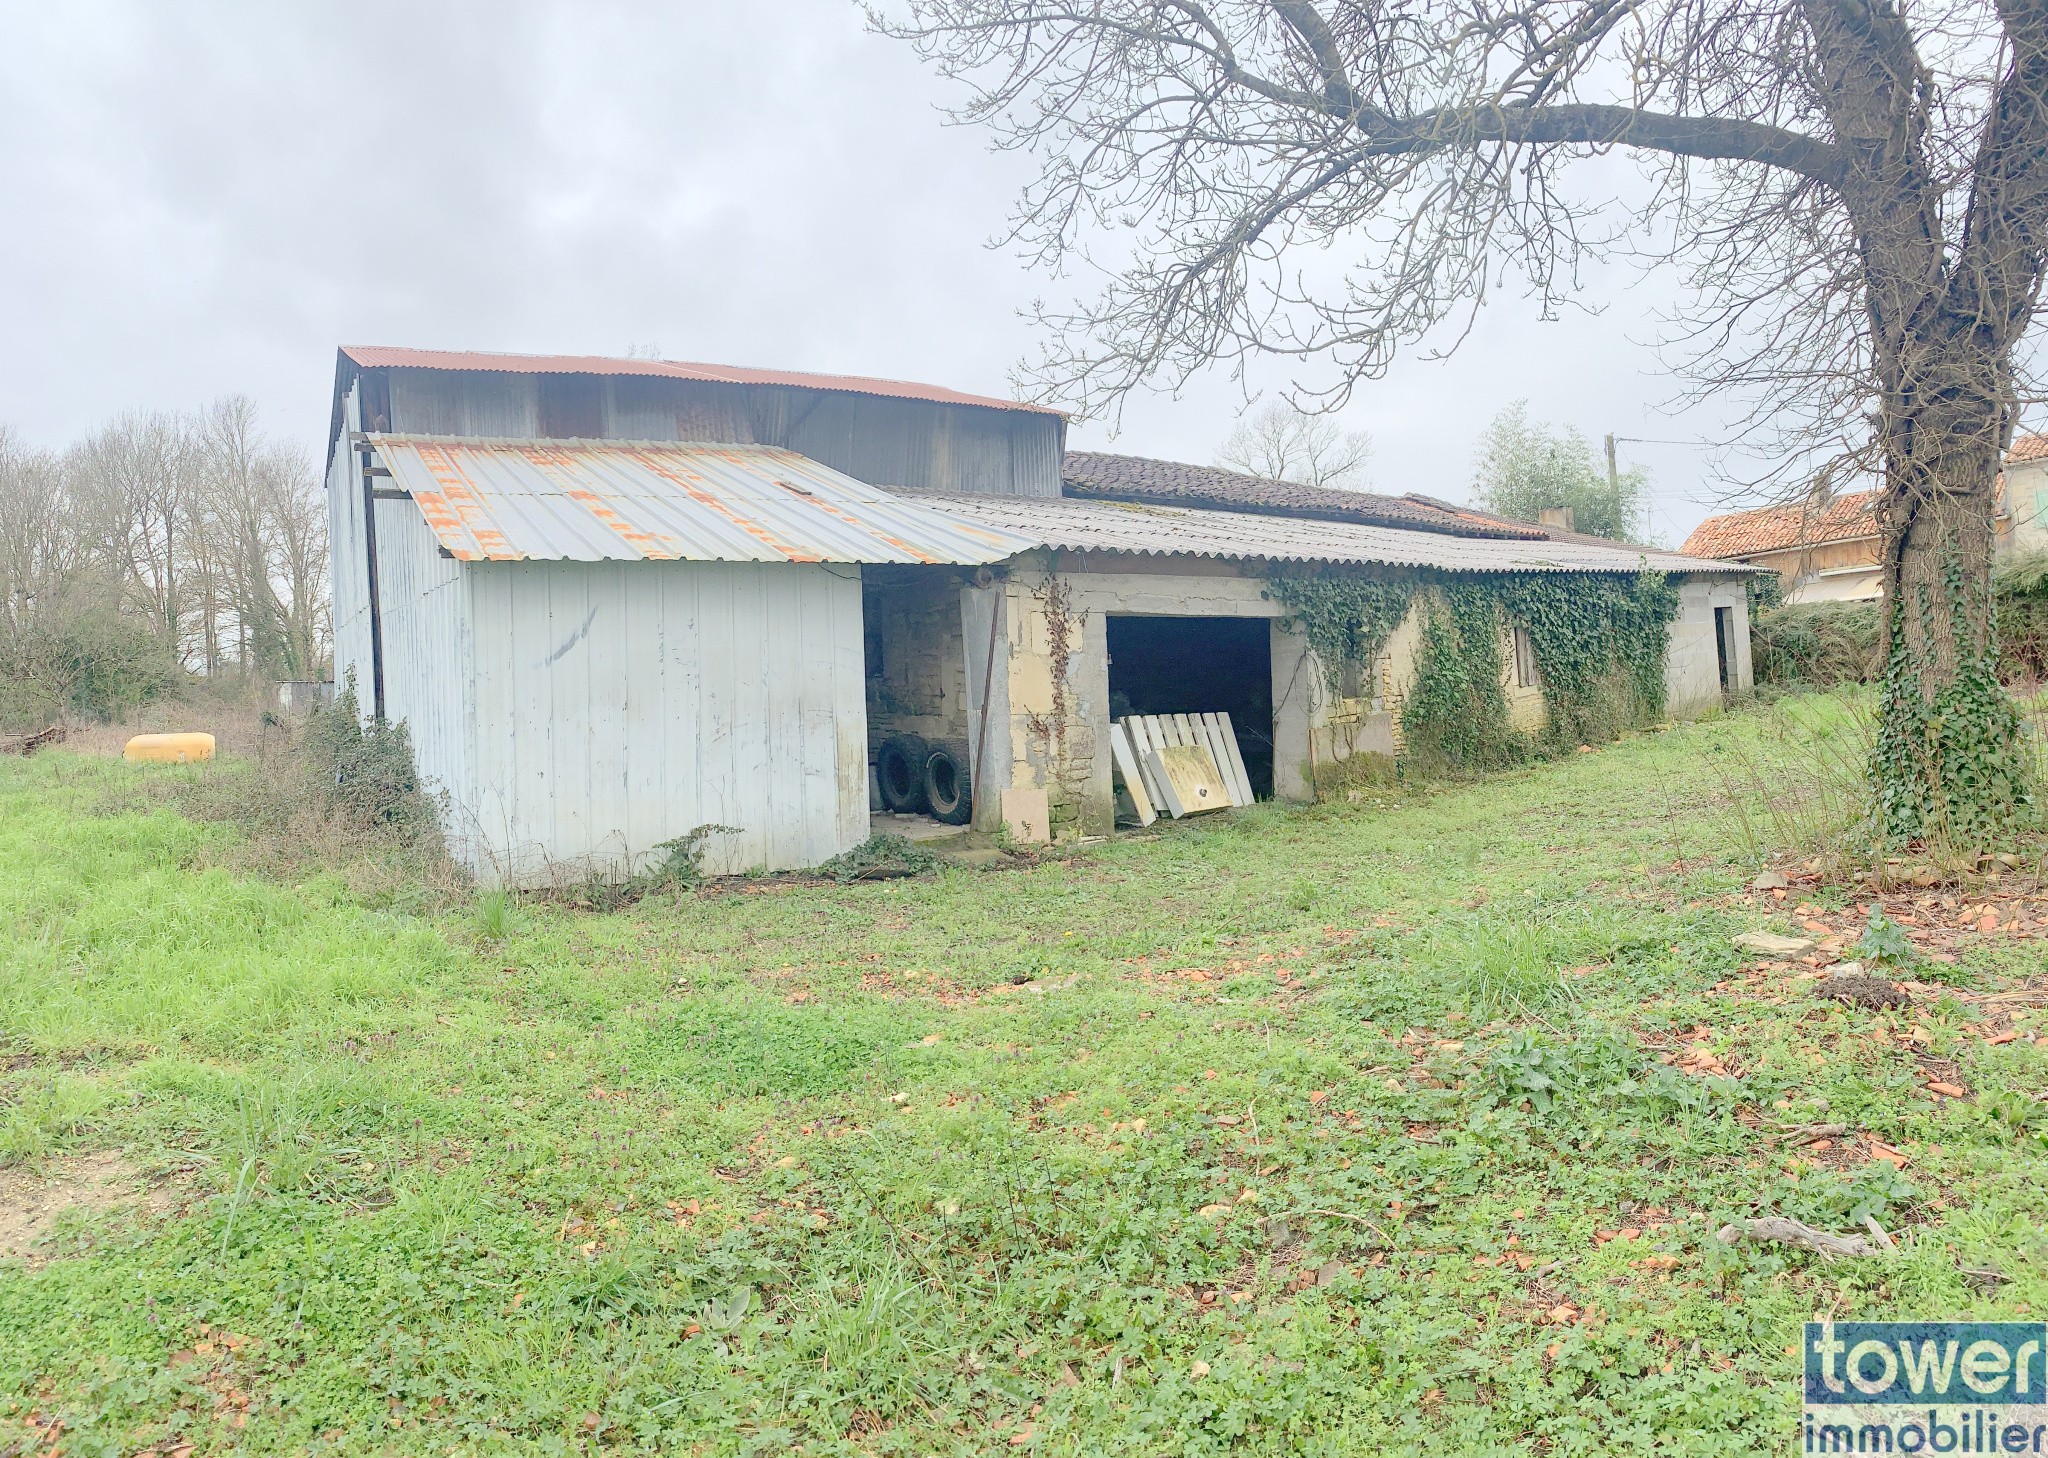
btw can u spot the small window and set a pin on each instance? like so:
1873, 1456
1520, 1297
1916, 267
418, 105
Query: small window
1525, 659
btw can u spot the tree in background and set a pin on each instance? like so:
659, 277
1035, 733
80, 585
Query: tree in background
1856, 190
163, 545
1278, 442
1526, 468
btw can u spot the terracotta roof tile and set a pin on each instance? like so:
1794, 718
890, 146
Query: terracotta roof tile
1775, 528
2028, 448
1136, 478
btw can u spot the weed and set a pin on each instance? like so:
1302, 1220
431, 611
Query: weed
880, 857
496, 913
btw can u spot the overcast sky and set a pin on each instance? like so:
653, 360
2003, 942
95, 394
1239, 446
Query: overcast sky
209, 197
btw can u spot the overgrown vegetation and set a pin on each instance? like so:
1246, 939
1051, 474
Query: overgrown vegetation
1599, 640
329, 796
162, 549
1816, 645
1320, 1131
1455, 716
1952, 766
1347, 617
880, 858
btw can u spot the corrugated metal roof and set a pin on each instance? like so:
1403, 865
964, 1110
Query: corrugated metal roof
1145, 529
370, 356
1140, 478
599, 501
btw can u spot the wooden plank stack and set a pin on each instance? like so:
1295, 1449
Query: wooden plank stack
1179, 764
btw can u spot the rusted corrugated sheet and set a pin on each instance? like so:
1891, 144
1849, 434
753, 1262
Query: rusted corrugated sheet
599, 501
384, 357
1167, 531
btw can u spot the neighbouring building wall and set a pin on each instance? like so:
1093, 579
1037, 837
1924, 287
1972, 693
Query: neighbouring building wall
1692, 664
2026, 508
619, 705
1831, 572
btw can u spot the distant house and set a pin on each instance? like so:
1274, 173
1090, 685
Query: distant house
617, 601
1828, 551
2023, 505
1822, 552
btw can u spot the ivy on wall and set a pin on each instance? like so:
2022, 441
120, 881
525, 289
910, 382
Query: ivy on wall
1346, 618
1599, 640
1456, 716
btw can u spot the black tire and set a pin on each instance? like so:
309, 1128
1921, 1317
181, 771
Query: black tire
899, 770
946, 787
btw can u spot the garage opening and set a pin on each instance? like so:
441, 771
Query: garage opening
1199, 666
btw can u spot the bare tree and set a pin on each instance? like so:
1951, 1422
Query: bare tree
1857, 191
135, 484
1279, 442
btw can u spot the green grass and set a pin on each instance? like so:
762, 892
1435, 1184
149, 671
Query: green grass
1205, 1143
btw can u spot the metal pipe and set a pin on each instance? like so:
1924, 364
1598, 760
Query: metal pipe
376, 599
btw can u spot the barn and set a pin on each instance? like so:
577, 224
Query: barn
617, 601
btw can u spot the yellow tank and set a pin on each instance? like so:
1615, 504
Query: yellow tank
168, 748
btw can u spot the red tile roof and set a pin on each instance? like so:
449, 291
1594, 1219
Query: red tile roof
2028, 448
383, 357
1136, 478
1777, 528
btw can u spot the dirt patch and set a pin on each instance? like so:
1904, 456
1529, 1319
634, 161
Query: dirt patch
31, 1203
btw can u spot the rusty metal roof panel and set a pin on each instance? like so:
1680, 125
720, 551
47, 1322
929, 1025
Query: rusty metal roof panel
1153, 530
386, 357
600, 501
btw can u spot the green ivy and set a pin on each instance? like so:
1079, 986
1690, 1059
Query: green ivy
1456, 715
1600, 644
1952, 765
1599, 641
1346, 618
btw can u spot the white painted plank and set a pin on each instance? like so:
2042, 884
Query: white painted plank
1127, 766
1212, 737
1236, 756
1142, 744
1168, 797
1185, 729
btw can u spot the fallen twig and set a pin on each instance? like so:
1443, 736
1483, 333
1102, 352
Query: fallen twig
1808, 1133
1782, 1230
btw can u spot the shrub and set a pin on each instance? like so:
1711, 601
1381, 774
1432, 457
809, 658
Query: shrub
99, 665
366, 771
1818, 644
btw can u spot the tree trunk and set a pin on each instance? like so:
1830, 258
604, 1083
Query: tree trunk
1949, 761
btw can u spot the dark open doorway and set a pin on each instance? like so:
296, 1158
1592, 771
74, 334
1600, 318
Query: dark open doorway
1724, 646
1199, 666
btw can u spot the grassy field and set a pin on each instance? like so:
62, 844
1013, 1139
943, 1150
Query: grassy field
1389, 1127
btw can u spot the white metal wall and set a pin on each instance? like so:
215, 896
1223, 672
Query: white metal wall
423, 601
622, 704
345, 568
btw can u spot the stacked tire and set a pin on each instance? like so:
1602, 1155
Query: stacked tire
918, 777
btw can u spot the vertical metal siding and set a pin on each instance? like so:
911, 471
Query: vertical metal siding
620, 705
465, 402
877, 439
347, 576
425, 604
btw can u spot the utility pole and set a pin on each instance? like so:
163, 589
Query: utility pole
1613, 476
